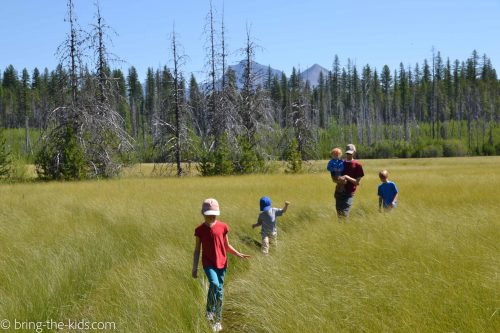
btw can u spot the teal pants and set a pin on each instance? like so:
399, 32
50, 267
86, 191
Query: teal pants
215, 297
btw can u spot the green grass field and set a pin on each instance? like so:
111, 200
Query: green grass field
120, 251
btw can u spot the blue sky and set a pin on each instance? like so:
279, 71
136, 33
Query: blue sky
291, 33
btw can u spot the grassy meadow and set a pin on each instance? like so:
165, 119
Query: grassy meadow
121, 250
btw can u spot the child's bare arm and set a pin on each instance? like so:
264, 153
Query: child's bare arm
196, 257
286, 206
232, 250
258, 224
339, 180
379, 202
354, 181
394, 199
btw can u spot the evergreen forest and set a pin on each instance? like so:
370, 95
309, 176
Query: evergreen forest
88, 118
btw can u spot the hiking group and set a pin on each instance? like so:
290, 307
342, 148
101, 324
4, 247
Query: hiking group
212, 239
347, 174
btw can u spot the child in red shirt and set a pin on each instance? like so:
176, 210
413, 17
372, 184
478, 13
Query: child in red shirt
211, 237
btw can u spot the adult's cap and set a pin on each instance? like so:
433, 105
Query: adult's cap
350, 149
210, 207
265, 204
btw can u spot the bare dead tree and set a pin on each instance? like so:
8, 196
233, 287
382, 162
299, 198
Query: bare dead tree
366, 104
301, 110
99, 37
173, 135
229, 94
60, 156
177, 104
223, 54
252, 110
104, 137
71, 50
217, 122
85, 138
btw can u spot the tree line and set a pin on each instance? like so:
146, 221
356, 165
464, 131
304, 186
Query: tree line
99, 118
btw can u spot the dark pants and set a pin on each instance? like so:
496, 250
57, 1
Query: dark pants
343, 203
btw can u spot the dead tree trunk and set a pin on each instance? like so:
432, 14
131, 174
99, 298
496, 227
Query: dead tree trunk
177, 108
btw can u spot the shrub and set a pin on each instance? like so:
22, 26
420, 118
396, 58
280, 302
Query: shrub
5, 160
366, 152
149, 153
19, 170
497, 148
383, 149
452, 148
404, 150
433, 150
488, 150
61, 157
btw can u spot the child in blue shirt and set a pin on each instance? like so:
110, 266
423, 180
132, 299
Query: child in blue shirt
387, 192
336, 165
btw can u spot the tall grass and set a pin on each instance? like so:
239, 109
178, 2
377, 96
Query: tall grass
121, 251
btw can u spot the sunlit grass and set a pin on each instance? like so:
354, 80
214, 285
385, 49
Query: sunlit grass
121, 251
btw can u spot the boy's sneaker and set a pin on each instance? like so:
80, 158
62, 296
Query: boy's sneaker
210, 316
217, 327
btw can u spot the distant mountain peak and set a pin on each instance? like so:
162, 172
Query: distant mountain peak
312, 74
260, 72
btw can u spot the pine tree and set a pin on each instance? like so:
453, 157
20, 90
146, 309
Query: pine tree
196, 109
404, 100
335, 89
321, 89
293, 158
285, 102
151, 112
248, 160
136, 97
25, 106
10, 86
120, 98
367, 103
276, 98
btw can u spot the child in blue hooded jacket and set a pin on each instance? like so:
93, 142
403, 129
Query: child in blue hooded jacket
267, 219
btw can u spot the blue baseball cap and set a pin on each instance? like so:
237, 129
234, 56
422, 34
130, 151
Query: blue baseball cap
265, 204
